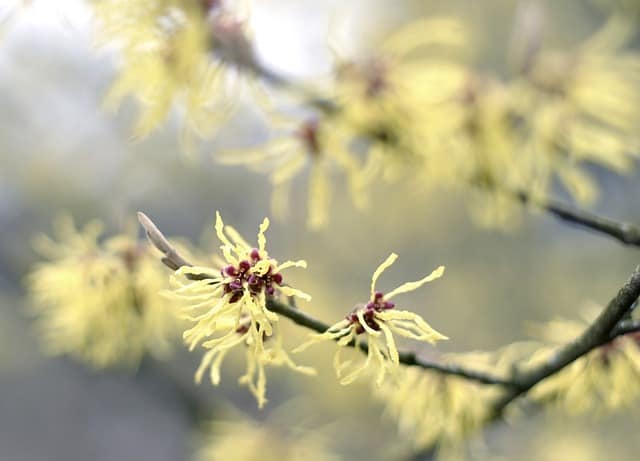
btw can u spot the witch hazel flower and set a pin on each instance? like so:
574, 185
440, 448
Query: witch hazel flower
378, 320
228, 307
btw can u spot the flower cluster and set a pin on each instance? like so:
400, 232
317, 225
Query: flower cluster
99, 302
443, 123
177, 51
433, 409
378, 320
315, 144
430, 408
228, 307
415, 110
604, 380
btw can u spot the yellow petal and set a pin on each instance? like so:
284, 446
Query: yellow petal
288, 291
381, 268
262, 241
410, 286
220, 230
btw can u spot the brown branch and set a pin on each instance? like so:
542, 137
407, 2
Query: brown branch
608, 326
173, 260
626, 233
625, 327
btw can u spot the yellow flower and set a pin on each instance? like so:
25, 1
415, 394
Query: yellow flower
433, 409
604, 380
402, 100
228, 307
378, 320
316, 143
177, 51
259, 355
100, 302
444, 411
581, 107
249, 440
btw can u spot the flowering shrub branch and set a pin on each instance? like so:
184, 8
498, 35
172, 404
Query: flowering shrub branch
597, 334
626, 233
606, 327
610, 324
173, 260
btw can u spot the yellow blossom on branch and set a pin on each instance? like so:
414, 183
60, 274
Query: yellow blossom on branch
99, 302
445, 410
379, 321
316, 144
227, 307
187, 53
401, 101
581, 107
604, 380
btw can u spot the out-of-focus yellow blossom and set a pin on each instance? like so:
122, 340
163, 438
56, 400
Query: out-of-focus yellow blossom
317, 144
401, 100
228, 307
581, 107
177, 51
483, 152
443, 411
99, 302
252, 441
604, 380
433, 409
379, 320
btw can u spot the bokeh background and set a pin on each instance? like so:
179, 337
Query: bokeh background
60, 151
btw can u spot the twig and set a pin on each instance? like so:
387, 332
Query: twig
607, 327
625, 327
173, 260
624, 232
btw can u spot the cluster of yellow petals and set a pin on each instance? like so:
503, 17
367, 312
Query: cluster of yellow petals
602, 381
99, 302
315, 145
227, 307
434, 409
174, 52
379, 321
430, 408
432, 119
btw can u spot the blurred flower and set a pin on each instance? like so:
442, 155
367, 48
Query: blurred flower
177, 51
317, 143
99, 302
581, 107
444, 411
379, 320
433, 409
232, 302
252, 441
399, 100
483, 154
604, 380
